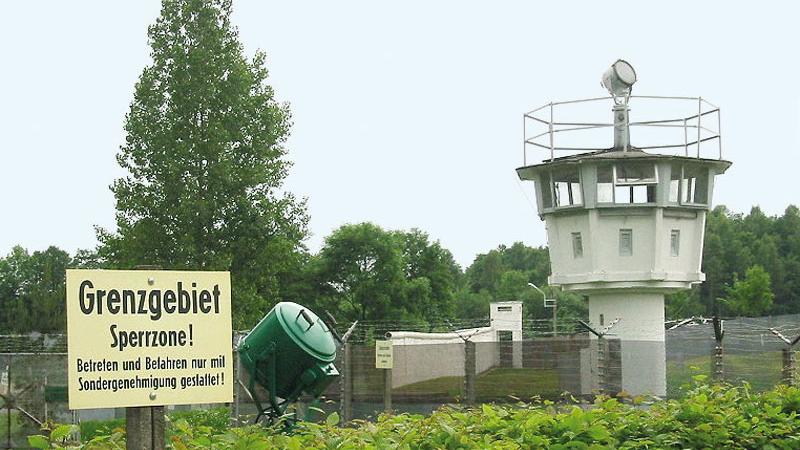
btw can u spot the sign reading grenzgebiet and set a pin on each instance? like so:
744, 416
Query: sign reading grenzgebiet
148, 338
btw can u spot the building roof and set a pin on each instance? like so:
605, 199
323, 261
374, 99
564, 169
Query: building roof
616, 154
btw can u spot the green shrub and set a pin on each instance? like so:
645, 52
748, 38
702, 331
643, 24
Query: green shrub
92, 428
712, 417
217, 419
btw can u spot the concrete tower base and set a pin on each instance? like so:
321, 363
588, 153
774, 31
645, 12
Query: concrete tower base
641, 334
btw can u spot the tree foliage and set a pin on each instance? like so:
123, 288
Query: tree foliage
503, 274
735, 243
750, 296
367, 273
205, 160
32, 290
752, 264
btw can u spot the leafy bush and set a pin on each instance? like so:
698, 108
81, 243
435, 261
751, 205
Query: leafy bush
217, 419
92, 428
715, 417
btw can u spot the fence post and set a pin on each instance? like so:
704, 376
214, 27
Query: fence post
44, 394
602, 365
237, 372
718, 367
346, 385
789, 366
387, 390
470, 371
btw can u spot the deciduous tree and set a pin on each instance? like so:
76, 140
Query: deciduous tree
750, 296
205, 160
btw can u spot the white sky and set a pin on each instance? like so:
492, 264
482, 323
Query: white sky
406, 115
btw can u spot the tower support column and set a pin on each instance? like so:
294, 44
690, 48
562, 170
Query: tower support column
640, 330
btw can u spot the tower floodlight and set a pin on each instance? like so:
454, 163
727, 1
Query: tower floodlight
619, 80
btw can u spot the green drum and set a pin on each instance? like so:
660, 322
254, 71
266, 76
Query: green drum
289, 352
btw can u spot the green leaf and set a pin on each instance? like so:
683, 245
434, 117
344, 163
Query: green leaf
38, 441
332, 420
60, 432
598, 433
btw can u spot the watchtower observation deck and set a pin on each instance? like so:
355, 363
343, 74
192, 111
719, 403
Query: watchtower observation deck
631, 215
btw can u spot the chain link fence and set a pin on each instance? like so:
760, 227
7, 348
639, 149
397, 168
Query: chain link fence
471, 368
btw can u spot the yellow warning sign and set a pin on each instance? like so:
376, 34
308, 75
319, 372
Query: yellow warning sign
148, 338
384, 357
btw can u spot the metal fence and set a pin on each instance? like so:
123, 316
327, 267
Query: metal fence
540, 365
687, 126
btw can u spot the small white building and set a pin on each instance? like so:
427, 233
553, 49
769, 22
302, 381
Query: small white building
424, 356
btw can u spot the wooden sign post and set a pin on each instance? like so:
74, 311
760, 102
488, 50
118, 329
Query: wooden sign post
384, 359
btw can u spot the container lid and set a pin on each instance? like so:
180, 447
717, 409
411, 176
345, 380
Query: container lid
307, 330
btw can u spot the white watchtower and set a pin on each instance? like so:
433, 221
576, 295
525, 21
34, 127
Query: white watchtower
625, 226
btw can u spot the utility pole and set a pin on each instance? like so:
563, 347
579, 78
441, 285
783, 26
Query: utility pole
549, 303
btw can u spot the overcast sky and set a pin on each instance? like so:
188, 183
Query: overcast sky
407, 115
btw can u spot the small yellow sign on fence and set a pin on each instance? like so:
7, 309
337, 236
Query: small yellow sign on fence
384, 357
148, 338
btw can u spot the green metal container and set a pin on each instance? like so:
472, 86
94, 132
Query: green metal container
292, 350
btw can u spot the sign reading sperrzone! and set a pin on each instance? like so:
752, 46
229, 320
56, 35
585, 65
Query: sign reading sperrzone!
148, 338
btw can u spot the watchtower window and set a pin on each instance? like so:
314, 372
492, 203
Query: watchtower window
605, 184
694, 186
675, 242
567, 187
635, 182
577, 246
635, 194
635, 173
625, 242
625, 183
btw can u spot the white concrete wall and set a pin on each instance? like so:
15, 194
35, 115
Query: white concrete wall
641, 314
487, 355
691, 232
651, 262
559, 238
421, 362
415, 363
644, 367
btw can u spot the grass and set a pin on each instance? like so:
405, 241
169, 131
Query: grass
494, 384
761, 370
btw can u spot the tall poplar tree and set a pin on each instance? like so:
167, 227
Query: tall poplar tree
206, 162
